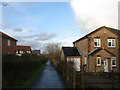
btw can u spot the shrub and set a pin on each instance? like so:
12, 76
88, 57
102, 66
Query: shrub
16, 70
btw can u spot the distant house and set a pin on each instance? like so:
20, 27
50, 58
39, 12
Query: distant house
71, 54
8, 44
100, 50
23, 50
37, 52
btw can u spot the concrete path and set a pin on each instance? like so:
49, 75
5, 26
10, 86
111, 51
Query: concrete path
49, 78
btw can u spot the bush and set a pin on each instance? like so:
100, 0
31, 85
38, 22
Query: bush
16, 70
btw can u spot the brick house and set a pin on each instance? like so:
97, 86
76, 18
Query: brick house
100, 50
8, 44
71, 55
37, 52
23, 50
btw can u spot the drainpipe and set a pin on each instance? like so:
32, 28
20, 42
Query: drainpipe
88, 63
80, 57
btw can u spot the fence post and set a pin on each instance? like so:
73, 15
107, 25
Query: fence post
67, 75
74, 78
82, 78
112, 74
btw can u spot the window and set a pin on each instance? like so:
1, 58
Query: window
85, 62
21, 52
8, 42
97, 42
72, 59
111, 42
98, 61
67, 59
28, 52
113, 61
17, 52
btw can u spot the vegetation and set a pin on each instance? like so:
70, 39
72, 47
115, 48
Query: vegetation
21, 72
52, 50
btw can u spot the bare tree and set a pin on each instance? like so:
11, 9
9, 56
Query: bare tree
52, 50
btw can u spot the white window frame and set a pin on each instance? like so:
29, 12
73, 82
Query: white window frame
9, 42
72, 59
67, 59
17, 52
85, 60
28, 52
21, 52
98, 40
113, 58
111, 40
98, 58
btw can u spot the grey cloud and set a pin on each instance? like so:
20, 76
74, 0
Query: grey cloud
4, 25
34, 44
17, 30
42, 37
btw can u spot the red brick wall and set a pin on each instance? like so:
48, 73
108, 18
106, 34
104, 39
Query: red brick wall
8, 49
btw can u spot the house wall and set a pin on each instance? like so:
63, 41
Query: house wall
104, 43
119, 53
93, 62
8, 49
62, 55
87, 44
82, 45
76, 61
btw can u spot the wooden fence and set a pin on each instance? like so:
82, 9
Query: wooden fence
83, 80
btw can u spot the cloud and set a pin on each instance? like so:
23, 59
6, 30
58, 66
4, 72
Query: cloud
91, 14
17, 30
3, 25
25, 37
42, 37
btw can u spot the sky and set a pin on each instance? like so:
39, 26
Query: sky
39, 23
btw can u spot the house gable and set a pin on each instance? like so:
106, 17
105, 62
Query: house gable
103, 32
112, 30
102, 52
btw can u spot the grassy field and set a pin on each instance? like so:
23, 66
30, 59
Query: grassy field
21, 72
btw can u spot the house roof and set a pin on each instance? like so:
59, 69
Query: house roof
36, 51
71, 51
115, 31
96, 50
7, 36
25, 48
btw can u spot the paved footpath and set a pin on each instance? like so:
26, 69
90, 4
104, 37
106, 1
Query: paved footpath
49, 78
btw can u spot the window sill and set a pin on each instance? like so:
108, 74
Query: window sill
111, 47
98, 65
114, 66
97, 46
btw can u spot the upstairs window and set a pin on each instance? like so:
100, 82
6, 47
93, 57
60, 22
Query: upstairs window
97, 42
98, 61
8, 42
111, 42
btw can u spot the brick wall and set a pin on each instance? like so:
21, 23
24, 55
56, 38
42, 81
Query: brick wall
8, 49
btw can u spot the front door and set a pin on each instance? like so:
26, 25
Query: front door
106, 65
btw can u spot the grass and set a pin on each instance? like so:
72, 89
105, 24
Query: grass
28, 83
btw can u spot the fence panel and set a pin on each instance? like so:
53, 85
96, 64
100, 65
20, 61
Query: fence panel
83, 80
